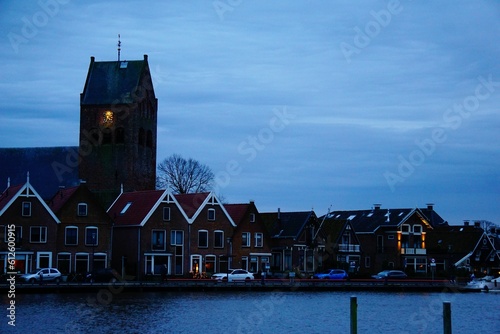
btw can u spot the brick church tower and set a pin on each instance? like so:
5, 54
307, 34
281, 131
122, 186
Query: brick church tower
118, 118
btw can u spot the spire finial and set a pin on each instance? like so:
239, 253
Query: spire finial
119, 47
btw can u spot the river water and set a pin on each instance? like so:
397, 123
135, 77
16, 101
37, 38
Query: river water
251, 312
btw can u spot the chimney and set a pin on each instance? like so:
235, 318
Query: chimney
466, 223
377, 206
430, 206
477, 224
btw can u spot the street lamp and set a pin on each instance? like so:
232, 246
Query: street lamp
93, 251
229, 244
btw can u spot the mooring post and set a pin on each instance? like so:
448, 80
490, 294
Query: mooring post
354, 315
446, 317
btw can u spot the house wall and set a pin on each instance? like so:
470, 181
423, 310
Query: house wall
27, 252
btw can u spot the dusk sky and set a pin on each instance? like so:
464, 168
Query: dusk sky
293, 104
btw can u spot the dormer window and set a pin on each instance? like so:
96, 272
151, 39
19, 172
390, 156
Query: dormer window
26, 209
82, 209
211, 214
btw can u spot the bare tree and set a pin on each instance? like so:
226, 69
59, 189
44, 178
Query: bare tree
183, 176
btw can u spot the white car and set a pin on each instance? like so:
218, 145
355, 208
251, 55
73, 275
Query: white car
45, 274
234, 275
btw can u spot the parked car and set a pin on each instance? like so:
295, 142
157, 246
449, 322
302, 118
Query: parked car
44, 274
332, 274
234, 275
390, 274
104, 275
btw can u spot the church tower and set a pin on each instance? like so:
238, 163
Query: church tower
118, 118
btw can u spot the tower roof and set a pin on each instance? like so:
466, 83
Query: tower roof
116, 82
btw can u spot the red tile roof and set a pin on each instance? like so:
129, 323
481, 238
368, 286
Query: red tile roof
236, 211
60, 198
8, 194
141, 203
190, 203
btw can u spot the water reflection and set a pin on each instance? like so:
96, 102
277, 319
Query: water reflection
251, 312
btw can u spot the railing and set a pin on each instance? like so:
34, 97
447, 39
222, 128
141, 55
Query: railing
348, 248
413, 251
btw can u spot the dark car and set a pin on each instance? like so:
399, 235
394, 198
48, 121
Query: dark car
390, 274
332, 274
105, 275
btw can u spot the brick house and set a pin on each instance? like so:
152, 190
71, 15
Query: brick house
251, 241
393, 238
23, 210
296, 241
84, 232
210, 233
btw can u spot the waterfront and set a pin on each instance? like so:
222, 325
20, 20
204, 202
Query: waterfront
251, 312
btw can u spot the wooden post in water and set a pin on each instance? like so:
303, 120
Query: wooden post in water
446, 317
354, 315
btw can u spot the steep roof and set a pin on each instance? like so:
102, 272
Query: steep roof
286, 224
237, 211
49, 167
10, 195
133, 208
190, 203
368, 221
61, 197
107, 80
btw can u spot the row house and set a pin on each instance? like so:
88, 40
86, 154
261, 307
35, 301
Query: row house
297, 241
368, 241
35, 227
71, 231
189, 234
84, 232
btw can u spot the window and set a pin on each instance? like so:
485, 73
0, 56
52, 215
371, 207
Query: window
211, 214
405, 228
125, 208
158, 240
203, 238
91, 236
166, 213
38, 234
82, 209
417, 228
71, 236
176, 238
390, 237
252, 218
218, 239
26, 209
245, 239
258, 240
